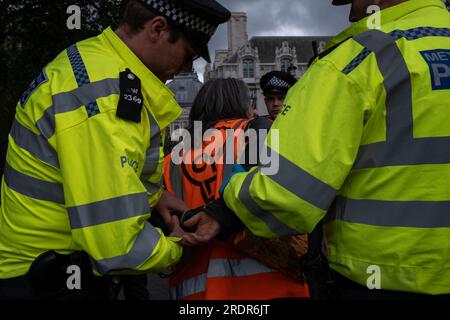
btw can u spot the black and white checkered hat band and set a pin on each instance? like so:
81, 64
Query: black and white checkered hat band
275, 82
182, 16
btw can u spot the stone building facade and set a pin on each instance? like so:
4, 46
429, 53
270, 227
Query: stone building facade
250, 59
185, 86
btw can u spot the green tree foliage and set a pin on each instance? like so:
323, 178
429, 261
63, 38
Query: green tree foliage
33, 33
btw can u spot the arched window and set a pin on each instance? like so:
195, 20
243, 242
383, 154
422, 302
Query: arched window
285, 63
181, 94
249, 68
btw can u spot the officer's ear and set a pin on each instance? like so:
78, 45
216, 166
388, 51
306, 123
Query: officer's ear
157, 28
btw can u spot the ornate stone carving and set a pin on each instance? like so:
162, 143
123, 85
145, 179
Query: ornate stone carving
248, 51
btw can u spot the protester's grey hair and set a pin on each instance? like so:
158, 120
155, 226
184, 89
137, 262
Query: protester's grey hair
220, 99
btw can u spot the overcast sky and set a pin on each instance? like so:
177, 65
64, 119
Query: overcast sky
281, 18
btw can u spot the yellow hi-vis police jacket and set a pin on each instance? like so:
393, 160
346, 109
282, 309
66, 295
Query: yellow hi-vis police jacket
367, 125
78, 177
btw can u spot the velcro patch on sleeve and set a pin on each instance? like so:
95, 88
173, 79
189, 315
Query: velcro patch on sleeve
34, 85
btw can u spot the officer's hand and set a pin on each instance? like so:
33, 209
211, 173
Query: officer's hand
189, 239
175, 226
206, 228
169, 203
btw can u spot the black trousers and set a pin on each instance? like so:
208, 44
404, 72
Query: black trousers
349, 290
135, 287
20, 288
16, 289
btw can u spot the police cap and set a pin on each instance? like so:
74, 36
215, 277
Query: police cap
341, 2
198, 18
277, 82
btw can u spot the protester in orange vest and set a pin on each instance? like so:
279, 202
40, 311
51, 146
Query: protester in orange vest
218, 270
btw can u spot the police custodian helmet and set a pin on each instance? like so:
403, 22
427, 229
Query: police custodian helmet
277, 82
198, 18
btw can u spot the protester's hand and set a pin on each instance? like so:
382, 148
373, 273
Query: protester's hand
168, 203
206, 228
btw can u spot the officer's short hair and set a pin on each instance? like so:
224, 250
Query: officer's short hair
135, 16
198, 19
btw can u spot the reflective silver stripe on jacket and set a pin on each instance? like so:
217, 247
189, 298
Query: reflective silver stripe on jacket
302, 184
32, 187
142, 249
219, 268
110, 210
400, 147
276, 226
410, 34
72, 100
152, 157
409, 214
36, 145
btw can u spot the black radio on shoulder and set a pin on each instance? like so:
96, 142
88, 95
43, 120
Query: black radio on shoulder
131, 99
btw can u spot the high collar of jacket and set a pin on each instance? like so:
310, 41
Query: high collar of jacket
388, 15
161, 100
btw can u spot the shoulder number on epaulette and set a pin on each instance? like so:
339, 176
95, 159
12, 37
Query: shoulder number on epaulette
131, 99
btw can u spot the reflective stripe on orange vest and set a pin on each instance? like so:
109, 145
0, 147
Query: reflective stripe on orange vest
218, 268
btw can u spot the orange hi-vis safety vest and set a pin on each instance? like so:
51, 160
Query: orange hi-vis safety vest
218, 270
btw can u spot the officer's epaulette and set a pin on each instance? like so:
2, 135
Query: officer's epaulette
324, 53
131, 99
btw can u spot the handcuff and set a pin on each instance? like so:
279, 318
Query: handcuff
187, 215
